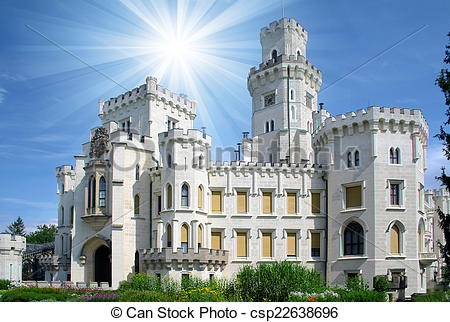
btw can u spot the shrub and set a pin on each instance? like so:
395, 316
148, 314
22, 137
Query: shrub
35, 294
434, 296
276, 281
143, 296
339, 295
201, 295
102, 297
5, 284
381, 283
356, 284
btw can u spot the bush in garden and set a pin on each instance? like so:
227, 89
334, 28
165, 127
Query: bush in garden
339, 295
102, 297
276, 281
5, 284
356, 284
201, 295
144, 296
434, 296
35, 294
381, 283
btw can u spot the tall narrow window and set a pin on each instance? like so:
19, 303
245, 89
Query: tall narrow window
272, 125
353, 239
102, 192
241, 244
291, 203
136, 262
169, 161
184, 237
91, 192
353, 196
200, 236
200, 161
395, 194
395, 239
241, 202
274, 55
137, 203
267, 202
420, 236
315, 244
266, 244
62, 215
169, 196
394, 155
159, 205
216, 201
184, 196
293, 114
308, 100
356, 158
291, 245
349, 160
137, 172
62, 245
315, 203
200, 197
292, 94
267, 127
216, 240
72, 215
169, 235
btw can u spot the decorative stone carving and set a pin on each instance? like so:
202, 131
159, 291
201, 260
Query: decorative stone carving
99, 143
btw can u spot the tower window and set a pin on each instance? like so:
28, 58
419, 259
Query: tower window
272, 125
184, 196
169, 161
298, 54
394, 156
269, 99
356, 158
267, 127
308, 100
274, 55
102, 192
395, 194
349, 160
137, 172
169, 196
292, 94
137, 203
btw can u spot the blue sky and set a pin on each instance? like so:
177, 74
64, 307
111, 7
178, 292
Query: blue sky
48, 98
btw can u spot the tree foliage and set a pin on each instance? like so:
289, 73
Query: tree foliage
443, 81
16, 228
43, 234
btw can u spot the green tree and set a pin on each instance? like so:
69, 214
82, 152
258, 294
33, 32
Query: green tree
443, 81
16, 228
43, 234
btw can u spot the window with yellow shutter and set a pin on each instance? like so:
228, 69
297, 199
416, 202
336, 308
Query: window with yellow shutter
200, 236
395, 239
169, 235
200, 197
315, 244
353, 196
216, 240
267, 202
291, 203
241, 249
315, 203
169, 196
184, 237
266, 244
241, 201
216, 201
291, 245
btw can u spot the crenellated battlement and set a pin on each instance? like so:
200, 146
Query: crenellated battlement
296, 168
10, 242
377, 118
150, 89
285, 23
297, 63
65, 170
180, 135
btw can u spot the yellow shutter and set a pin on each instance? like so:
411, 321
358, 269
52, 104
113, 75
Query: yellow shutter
241, 244
267, 244
169, 234
395, 245
200, 236
291, 244
315, 203
241, 202
216, 201
184, 234
315, 240
216, 240
292, 203
169, 196
200, 197
353, 196
136, 204
267, 202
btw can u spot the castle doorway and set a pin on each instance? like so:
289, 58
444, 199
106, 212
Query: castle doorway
102, 264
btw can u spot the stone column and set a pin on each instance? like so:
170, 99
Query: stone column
194, 235
207, 235
159, 234
176, 235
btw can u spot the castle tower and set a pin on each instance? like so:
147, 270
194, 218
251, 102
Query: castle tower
274, 94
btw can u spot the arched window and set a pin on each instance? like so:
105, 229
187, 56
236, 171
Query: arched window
420, 236
169, 196
395, 239
184, 237
102, 192
137, 203
137, 172
184, 196
72, 215
200, 236
200, 161
293, 114
91, 192
62, 244
136, 262
274, 55
267, 127
356, 158
397, 152
272, 125
298, 54
169, 235
62, 215
200, 197
394, 155
349, 160
169, 161
292, 94
353, 239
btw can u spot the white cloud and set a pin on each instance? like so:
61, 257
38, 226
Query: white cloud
13, 77
35, 204
2, 94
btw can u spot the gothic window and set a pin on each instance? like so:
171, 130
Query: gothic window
298, 54
169, 196
62, 215
356, 158
274, 55
200, 236
136, 262
137, 172
91, 192
353, 239
185, 238
200, 161
102, 192
169, 235
137, 203
200, 197
169, 161
184, 196
349, 160
293, 114
292, 94
394, 155
267, 127
395, 194
272, 125
72, 215
394, 239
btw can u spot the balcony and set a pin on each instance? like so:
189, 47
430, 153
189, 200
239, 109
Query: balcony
96, 218
155, 258
426, 259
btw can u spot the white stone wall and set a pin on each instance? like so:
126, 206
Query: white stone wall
11, 251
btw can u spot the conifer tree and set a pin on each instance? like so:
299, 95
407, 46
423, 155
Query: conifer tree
16, 228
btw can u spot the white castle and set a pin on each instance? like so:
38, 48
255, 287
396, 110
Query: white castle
12, 248
343, 194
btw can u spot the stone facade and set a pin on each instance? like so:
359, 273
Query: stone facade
11, 251
341, 194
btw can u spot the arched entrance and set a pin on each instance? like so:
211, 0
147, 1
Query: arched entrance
102, 264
